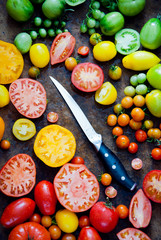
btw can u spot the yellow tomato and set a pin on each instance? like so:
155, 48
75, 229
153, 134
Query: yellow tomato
95, 38
67, 221
106, 94
140, 60
2, 128
4, 96
104, 51
39, 55
115, 72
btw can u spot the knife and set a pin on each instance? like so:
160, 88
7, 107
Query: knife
109, 159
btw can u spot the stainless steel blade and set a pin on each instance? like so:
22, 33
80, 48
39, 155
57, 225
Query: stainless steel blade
93, 137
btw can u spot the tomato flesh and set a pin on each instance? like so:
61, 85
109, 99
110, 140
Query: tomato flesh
87, 77
132, 233
18, 176
77, 189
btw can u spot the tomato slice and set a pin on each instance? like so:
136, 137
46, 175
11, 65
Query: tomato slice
62, 47
83, 50
110, 192
11, 63
137, 163
140, 210
18, 176
24, 129
152, 185
77, 189
52, 117
87, 77
28, 96
132, 233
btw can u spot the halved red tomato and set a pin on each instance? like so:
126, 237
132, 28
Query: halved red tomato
140, 210
132, 233
28, 96
87, 77
18, 176
62, 47
152, 185
77, 189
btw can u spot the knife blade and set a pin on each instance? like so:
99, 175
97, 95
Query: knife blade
109, 159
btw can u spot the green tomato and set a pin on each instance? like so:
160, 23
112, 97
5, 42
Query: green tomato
154, 76
37, 21
153, 102
74, 2
134, 80
20, 10
131, 7
37, 1
129, 91
141, 89
23, 42
33, 34
47, 23
111, 23
141, 77
150, 35
53, 9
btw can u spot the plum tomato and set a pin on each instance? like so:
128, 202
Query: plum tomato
83, 50
123, 119
111, 120
117, 131
133, 147
123, 211
87, 77
77, 160
84, 221
136, 163
89, 233
140, 210
156, 153
131, 233
122, 142
140, 135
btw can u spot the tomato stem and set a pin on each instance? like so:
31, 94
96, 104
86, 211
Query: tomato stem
108, 203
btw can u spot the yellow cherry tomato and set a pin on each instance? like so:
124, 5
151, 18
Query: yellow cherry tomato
39, 55
104, 51
70, 63
95, 38
115, 72
140, 60
106, 94
4, 96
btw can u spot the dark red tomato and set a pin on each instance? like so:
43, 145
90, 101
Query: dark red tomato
122, 142
87, 77
45, 197
104, 218
62, 47
29, 230
28, 96
83, 50
140, 135
152, 185
156, 153
18, 176
77, 160
89, 233
35, 218
77, 189
132, 233
140, 210
84, 221
133, 147
17, 212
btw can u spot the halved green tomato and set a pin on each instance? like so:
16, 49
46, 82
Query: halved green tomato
127, 41
74, 2
24, 129
106, 94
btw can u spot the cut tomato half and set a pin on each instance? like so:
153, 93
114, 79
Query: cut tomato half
87, 77
110, 192
152, 185
62, 47
132, 233
77, 189
18, 176
28, 96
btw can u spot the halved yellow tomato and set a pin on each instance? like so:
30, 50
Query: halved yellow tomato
106, 94
55, 145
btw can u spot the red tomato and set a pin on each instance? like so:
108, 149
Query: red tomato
45, 197
29, 230
122, 142
87, 77
103, 217
89, 233
62, 47
133, 147
83, 50
77, 160
156, 153
140, 135
136, 163
77, 189
18, 176
140, 210
17, 212
84, 221
152, 185
28, 96
110, 192
35, 218
132, 233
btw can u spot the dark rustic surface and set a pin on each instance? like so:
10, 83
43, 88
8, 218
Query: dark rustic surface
96, 114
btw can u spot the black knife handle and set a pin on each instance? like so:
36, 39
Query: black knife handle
116, 168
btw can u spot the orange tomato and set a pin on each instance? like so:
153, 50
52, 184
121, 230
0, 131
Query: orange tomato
135, 125
117, 131
123, 211
137, 114
112, 120
127, 102
139, 101
2, 127
70, 63
106, 179
123, 120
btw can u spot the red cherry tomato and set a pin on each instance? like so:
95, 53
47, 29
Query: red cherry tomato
77, 160
133, 147
89, 233
35, 218
156, 153
52, 117
140, 135
83, 50
84, 221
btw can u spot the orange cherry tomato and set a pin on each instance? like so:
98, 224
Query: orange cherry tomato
135, 125
137, 114
154, 133
5, 144
35, 218
83, 50
127, 102
55, 232
133, 147
70, 63
139, 101
123, 120
122, 142
117, 131
123, 211
46, 221
106, 179
112, 120
2, 127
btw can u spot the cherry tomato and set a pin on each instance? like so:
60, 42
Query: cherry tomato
70, 63
127, 102
117, 131
89, 233
46, 221
122, 142
133, 147
84, 221
154, 133
139, 101
115, 72
123, 120
5, 144
83, 50
77, 160
106, 179
52, 117
136, 163
118, 108
135, 125
95, 38
148, 124
140, 135
112, 120
123, 211
35, 218
54, 231
34, 72
156, 153
137, 114
68, 236
110, 192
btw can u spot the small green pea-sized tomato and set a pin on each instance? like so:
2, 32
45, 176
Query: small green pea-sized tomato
106, 94
115, 72
95, 38
39, 55
70, 63
104, 51
67, 221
